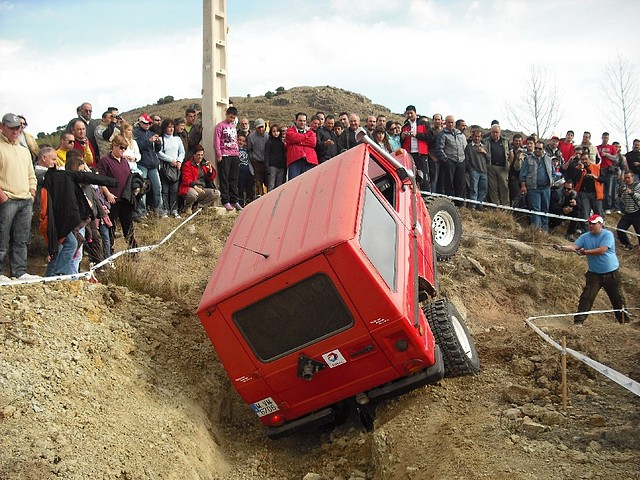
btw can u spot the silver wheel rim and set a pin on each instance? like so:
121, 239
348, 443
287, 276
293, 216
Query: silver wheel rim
444, 228
462, 336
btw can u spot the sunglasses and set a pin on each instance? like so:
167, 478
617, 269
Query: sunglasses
70, 142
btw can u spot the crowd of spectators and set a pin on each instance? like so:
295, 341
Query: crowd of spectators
165, 157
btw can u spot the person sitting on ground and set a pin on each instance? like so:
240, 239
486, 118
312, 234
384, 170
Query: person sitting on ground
66, 143
196, 182
599, 246
629, 201
565, 201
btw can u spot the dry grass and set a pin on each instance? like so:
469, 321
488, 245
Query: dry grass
179, 269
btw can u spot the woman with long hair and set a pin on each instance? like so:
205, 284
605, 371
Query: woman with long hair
274, 156
171, 156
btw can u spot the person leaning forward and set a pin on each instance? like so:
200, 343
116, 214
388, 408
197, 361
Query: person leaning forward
598, 245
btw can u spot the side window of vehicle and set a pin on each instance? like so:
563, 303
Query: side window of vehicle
379, 238
383, 180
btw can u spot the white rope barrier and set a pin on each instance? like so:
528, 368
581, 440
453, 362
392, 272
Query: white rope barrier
611, 374
523, 210
107, 261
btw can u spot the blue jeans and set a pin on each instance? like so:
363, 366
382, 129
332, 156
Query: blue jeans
539, 199
589, 202
479, 186
77, 258
15, 231
298, 168
610, 192
156, 189
106, 239
62, 262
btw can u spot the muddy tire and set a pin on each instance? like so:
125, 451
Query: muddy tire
445, 225
452, 336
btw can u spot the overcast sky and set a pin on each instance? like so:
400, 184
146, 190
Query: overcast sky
460, 57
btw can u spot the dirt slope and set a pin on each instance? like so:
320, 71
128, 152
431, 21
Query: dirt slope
103, 381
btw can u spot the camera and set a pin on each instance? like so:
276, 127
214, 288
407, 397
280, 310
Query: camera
118, 117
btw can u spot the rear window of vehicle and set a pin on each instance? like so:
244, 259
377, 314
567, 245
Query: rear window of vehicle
295, 317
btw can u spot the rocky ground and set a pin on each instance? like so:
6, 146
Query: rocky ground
105, 381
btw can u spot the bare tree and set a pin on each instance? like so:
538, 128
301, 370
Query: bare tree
621, 89
538, 109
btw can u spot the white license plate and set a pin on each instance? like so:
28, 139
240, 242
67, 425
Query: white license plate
264, 407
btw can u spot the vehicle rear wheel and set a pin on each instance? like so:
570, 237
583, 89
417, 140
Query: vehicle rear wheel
453, 338
446, 226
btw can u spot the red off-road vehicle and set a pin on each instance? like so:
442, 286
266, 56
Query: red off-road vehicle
325, 293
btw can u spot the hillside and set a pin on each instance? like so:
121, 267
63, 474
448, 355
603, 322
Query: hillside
282, 108
119, 380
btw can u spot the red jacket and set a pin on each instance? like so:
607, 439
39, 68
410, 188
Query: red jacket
300, 145
423, 134
190, 173
567, 149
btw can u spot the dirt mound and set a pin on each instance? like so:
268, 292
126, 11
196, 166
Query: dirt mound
103, 381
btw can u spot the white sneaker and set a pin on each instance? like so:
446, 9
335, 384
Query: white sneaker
607, 212
27, 276
4, 278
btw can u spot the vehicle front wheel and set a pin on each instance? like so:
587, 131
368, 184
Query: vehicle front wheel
446, 226
453, 338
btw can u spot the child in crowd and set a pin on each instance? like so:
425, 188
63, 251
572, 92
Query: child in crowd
245, 175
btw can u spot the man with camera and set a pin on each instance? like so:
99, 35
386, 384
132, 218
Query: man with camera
589, 185
610, 168
565, 201
106, 130
598, 245
630, 204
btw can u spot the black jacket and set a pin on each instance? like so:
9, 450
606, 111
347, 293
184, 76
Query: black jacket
274, 154
134, 189
67, 206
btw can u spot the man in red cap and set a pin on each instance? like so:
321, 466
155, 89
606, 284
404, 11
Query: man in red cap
598, 245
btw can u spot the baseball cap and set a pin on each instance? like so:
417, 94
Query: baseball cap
11, 120
259, 123
410, 107
555, 137
595, 218
144, 118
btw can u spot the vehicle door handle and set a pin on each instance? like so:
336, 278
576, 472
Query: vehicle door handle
362, 351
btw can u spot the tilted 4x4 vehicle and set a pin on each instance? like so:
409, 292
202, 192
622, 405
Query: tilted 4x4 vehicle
325, 293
